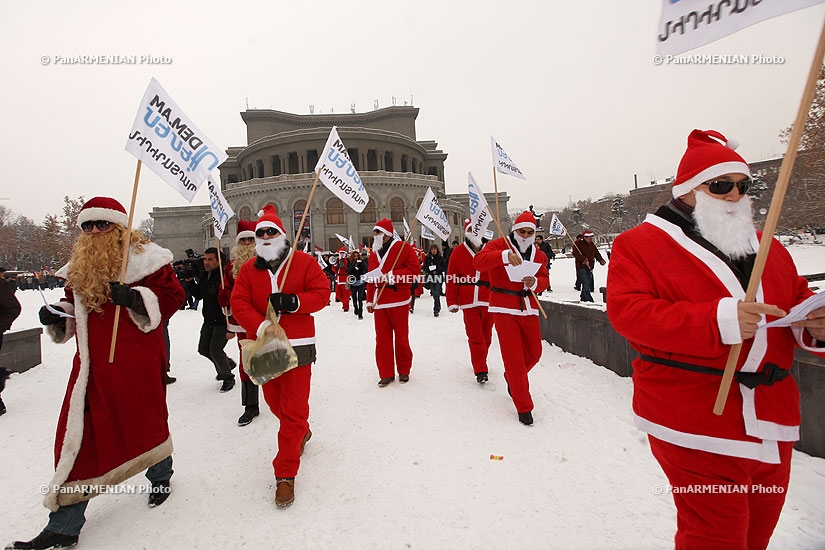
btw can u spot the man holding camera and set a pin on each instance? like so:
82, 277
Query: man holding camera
295, 285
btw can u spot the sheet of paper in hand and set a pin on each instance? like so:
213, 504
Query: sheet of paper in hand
799, 312
524, 269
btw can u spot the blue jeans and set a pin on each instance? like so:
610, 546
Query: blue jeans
69, 520
435, 290
585, 277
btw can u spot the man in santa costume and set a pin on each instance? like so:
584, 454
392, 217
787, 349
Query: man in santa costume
388, 298
295, 294
468, 290
342, 293
243, 251
677, 284
113, 422
514, 307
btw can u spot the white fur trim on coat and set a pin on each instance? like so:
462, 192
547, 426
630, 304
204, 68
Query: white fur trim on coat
150, 301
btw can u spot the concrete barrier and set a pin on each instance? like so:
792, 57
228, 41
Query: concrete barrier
21, 349
587, 332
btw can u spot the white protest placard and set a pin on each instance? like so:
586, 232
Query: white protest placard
343, 240
688, 24
432, 216
556, 227
221, 212
165, 139
502, 161
336, 171
479, 209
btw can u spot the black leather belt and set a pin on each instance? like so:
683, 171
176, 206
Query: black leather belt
766, 377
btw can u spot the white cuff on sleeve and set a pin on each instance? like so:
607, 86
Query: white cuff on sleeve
727, 319
505, 256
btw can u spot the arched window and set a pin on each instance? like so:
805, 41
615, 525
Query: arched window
369, 214
397, 209
335, 211
245, 213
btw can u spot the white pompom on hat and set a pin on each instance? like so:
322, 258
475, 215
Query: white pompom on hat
709, 155
103, 208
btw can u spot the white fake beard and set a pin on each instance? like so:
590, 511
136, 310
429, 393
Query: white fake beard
725, 224
270, 249
377, 242
475, 241
523, 242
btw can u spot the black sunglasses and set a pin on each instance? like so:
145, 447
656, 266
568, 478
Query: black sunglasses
723, 187
102, 225
271, 231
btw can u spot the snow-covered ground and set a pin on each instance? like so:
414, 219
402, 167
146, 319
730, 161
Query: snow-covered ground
400, 467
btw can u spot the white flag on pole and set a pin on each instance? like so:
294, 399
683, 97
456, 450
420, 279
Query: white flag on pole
688, 24
431, 216
343, 240
321, 262
406, 228
556, 227
337, 173
479, 209
166, 140
426, 233
221, 212
502, 161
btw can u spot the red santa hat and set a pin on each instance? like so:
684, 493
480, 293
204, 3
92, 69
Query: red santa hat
467, 223
246, 229
709, 155
103, 208
269, 218
384, 226
588, 233
525, 220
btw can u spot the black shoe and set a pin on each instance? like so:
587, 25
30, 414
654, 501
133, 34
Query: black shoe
170, 379
227, 385
2, 407
160, 492
526, 418
45, 540
384, 382
249, 414
481, 377
435, 313
360, 317
403, 378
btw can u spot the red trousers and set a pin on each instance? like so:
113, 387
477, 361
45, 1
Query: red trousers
288, 399
737, 519
392, 341
342, 294
478, 324
519, 338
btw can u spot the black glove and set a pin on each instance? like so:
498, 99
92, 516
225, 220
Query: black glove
122, 295
49, 318
284, 302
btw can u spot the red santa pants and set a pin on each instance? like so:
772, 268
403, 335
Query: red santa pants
288, 399
392, 341
741, 519
519, 338
478, 324
342, 294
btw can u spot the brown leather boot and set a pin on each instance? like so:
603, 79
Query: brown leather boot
285, 491
307, 437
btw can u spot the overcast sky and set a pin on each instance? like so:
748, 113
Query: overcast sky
569, 89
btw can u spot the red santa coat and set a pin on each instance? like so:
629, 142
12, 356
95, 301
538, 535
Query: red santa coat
113, 423
463, 289
673, 299
401, 276
492, 258
250, 296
